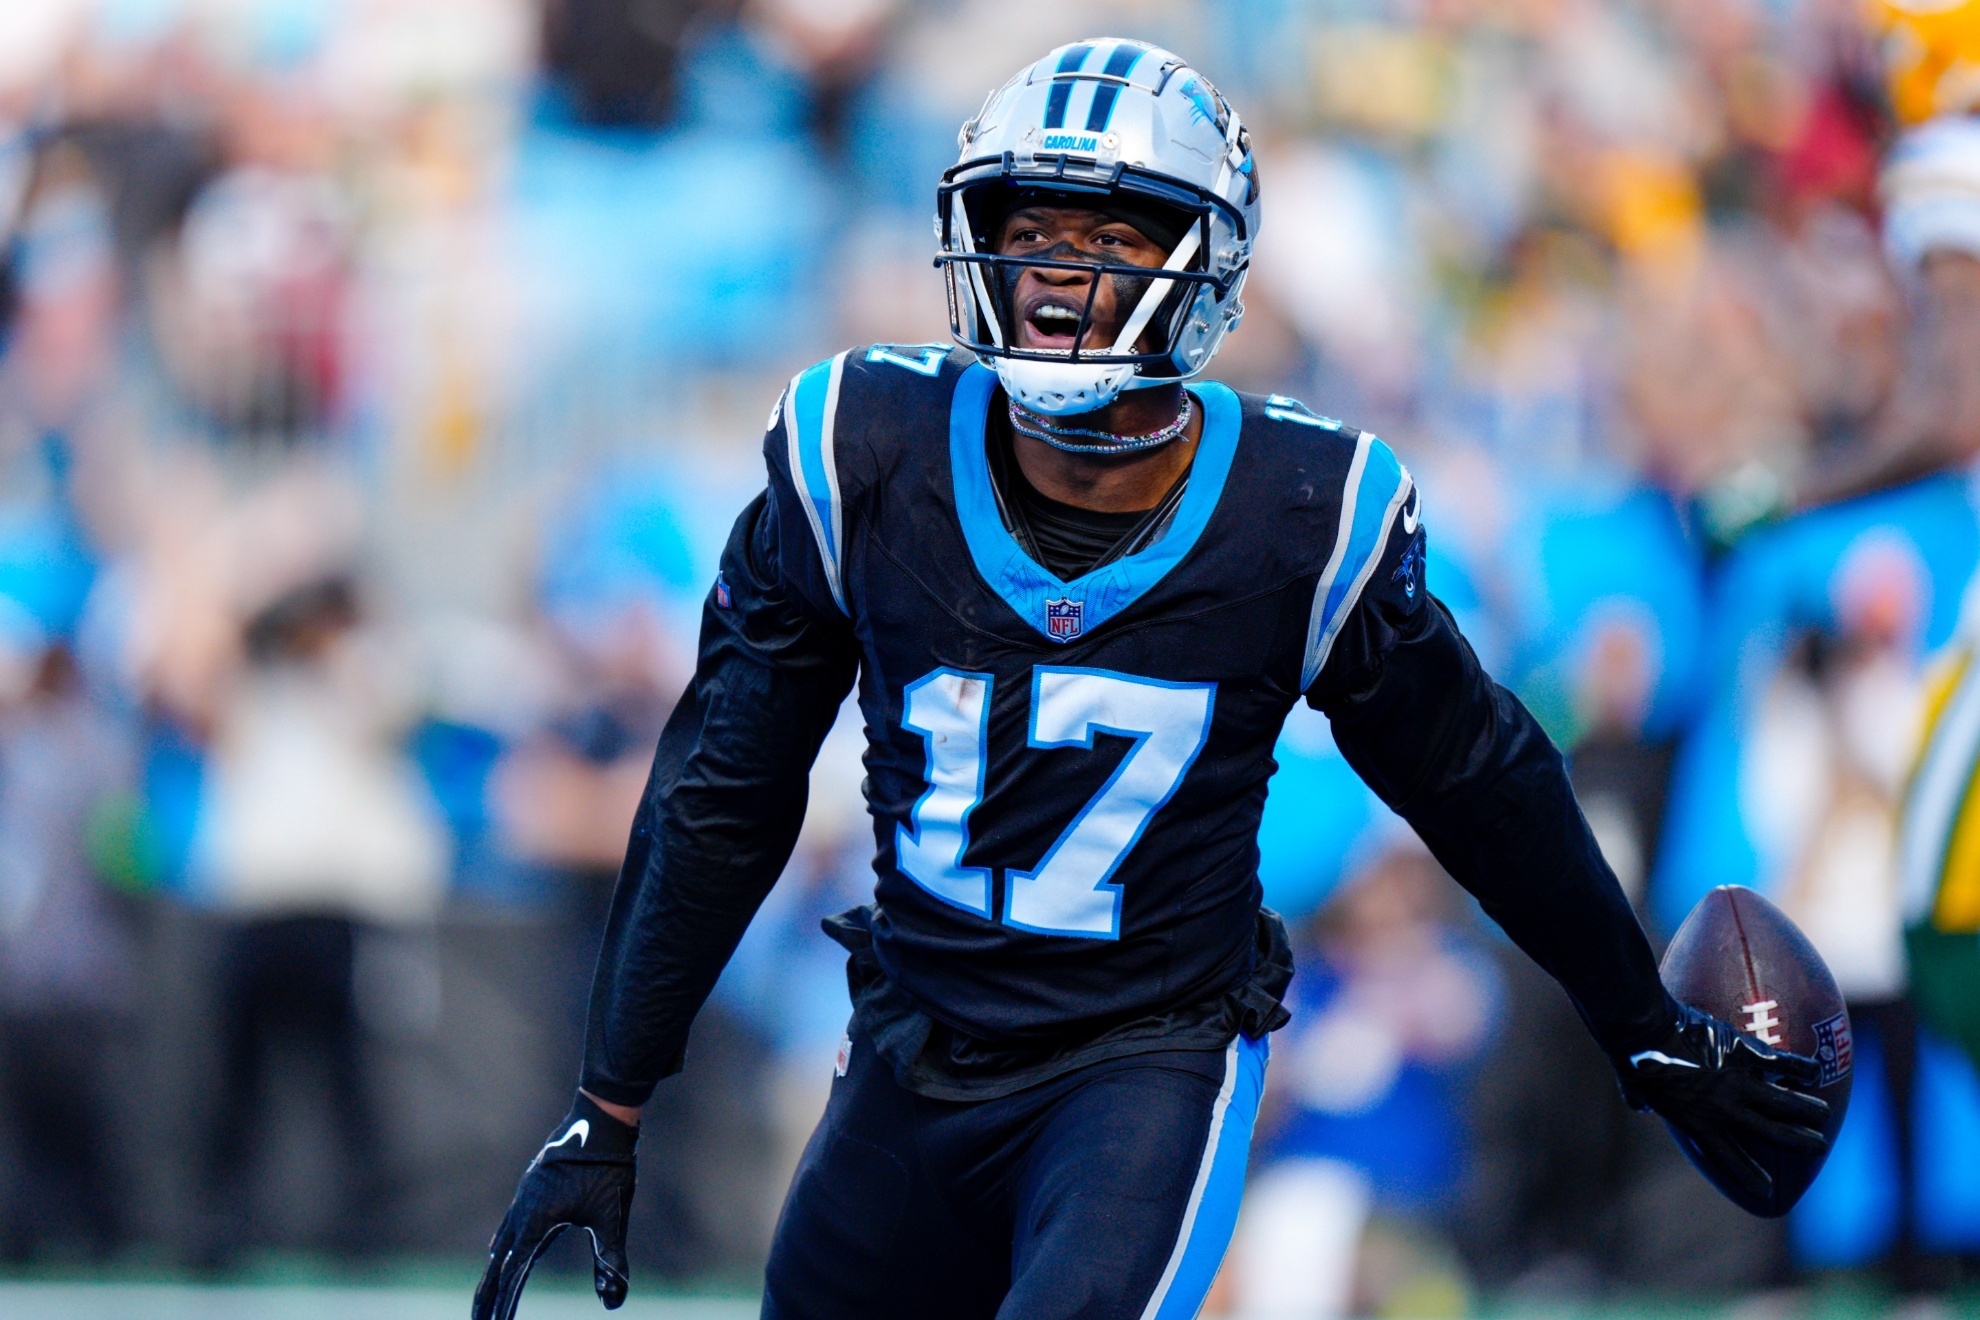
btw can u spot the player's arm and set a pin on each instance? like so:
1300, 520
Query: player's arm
720, 814
1931, 422
715, 827
1466, 764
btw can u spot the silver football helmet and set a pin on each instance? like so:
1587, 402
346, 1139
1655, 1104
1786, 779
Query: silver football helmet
1105, 123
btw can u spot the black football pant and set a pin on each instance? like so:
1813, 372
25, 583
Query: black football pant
1109, 1193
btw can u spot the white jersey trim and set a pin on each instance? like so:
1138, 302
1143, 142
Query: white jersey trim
810, 431
1323, 625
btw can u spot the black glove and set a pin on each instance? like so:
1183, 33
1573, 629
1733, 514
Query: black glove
1722, 1093
582, 1178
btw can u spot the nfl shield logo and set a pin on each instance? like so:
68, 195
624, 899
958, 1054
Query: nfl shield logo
1834, 1050
1062, 618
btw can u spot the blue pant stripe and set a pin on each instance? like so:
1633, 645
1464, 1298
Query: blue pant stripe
1213, 1210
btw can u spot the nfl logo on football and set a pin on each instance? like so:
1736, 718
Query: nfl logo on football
1062, 617
1834, 1050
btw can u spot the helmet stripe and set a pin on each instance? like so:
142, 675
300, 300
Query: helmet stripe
1055, 100
1120, 64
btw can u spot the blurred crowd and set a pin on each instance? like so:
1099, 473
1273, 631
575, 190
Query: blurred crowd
378, 381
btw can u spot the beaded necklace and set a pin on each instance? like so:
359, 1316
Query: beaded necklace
1026, 422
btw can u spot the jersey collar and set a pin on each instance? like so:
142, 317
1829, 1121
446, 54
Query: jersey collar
1062, 611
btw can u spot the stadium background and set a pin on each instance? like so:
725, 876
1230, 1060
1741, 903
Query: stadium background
380, 378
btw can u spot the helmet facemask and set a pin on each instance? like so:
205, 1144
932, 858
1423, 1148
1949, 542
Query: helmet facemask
1155, 300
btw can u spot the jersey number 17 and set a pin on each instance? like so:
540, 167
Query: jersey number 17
1070, 892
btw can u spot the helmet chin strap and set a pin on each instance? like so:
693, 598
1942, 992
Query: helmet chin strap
1055, 389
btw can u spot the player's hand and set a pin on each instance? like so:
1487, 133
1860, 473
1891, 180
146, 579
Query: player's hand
1726, 1091
582, 1178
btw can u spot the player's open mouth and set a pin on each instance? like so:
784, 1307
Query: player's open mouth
1052, 325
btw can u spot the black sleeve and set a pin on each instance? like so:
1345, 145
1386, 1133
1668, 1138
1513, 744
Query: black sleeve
1469, 768
721, 810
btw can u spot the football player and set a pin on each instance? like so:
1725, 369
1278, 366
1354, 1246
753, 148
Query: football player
1939, 841
1078, 596
1931, 195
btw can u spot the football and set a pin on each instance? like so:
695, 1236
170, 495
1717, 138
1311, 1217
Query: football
1739, 958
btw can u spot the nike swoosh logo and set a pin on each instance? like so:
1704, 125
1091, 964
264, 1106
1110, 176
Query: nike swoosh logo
1411, 511
580, 1129
1658, 1056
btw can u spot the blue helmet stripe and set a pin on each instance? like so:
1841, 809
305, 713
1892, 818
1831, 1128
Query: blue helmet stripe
1055, 100
1119, 64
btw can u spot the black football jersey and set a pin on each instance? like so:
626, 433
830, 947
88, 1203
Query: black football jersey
1066, 778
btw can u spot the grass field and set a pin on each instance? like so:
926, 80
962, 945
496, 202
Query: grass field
301, 1287
161, 1301
565, 1299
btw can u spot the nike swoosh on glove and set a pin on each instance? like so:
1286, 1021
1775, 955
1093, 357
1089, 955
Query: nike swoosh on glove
582, 1178
1728, 1093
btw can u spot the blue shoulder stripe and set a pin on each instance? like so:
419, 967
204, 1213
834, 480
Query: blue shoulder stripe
811, 415
1377, 486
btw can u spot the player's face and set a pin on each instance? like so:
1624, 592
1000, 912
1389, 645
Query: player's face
1047, 303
